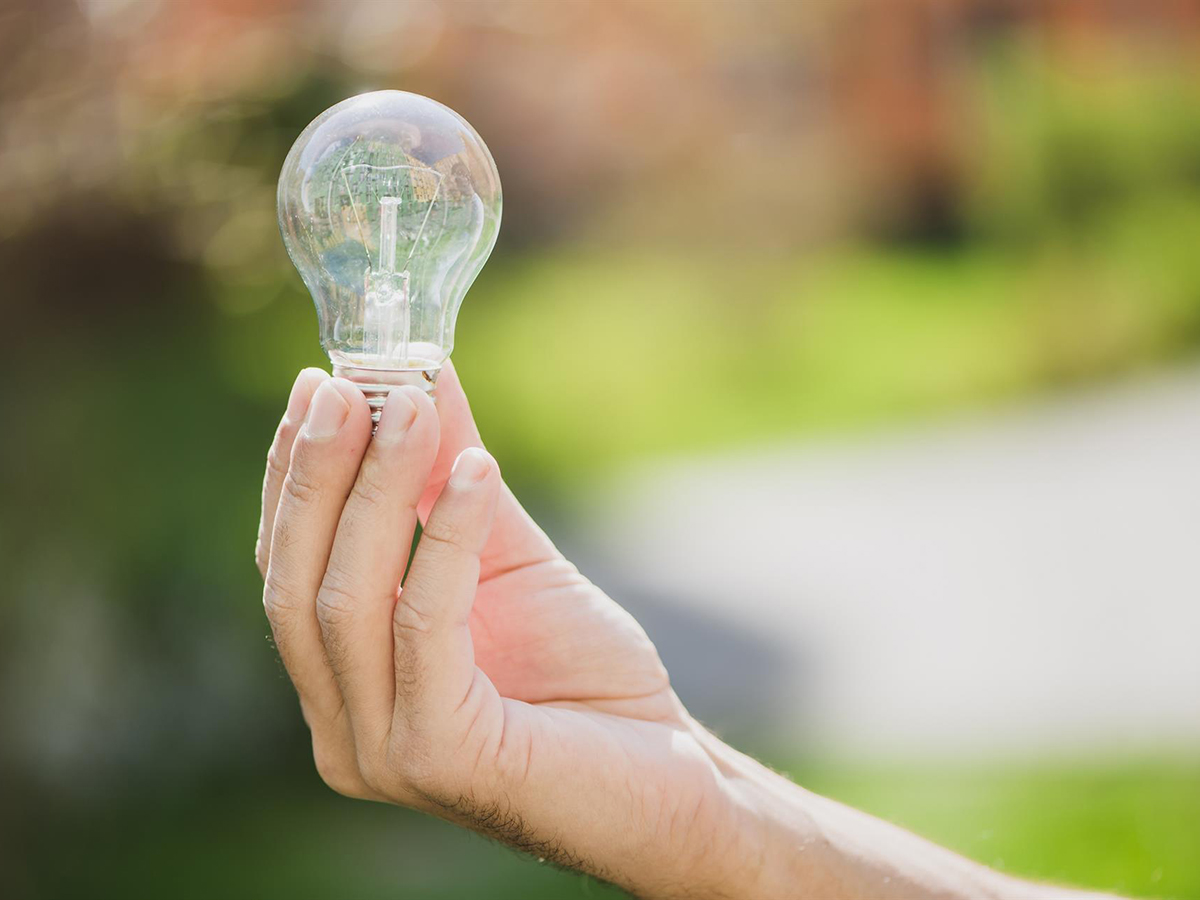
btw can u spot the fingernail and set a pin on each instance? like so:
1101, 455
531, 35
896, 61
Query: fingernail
302, 394
399, 412
328, 412
470, 468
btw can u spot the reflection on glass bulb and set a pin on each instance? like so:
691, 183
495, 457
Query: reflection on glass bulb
389, 204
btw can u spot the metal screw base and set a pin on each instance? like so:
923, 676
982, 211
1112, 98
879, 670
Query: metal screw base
376, 384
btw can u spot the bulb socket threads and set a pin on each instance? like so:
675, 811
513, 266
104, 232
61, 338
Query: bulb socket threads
376, 384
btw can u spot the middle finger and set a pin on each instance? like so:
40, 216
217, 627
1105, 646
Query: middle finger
358, 595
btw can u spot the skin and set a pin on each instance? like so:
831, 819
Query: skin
503, 691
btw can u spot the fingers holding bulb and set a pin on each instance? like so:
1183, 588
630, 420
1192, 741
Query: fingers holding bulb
340, 522
324, 464
279, 456
369, 555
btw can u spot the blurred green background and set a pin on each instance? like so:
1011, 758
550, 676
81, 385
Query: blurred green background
812, 218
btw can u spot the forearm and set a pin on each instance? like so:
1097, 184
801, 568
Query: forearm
788, 842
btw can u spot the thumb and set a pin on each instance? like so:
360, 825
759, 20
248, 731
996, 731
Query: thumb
458, 433
515, 539
435, 660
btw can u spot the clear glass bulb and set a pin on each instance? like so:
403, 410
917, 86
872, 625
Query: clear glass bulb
389, 205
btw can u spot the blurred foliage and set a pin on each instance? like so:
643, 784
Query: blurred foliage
720, 228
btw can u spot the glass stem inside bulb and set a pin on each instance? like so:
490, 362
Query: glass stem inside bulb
389, 217
390, 290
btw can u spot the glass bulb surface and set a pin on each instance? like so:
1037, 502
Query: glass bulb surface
389, 205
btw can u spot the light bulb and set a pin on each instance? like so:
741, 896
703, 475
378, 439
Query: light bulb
389, 204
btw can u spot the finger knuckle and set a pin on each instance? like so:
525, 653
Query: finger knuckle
277, 463
338, 771
423, 781
335, 601
411, 767
444, 534
276, 605
409, 674
262, 555
301, 487
371, 488
408, 619
377, 774
423, 763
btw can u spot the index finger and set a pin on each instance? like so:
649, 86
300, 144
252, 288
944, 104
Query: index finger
305, 386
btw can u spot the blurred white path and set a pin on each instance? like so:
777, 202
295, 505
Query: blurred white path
1021, 581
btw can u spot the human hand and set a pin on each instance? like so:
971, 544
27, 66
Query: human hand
499, 688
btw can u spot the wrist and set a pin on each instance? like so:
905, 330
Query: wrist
766, 830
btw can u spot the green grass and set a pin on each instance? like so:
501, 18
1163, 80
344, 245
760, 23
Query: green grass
1130, 828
